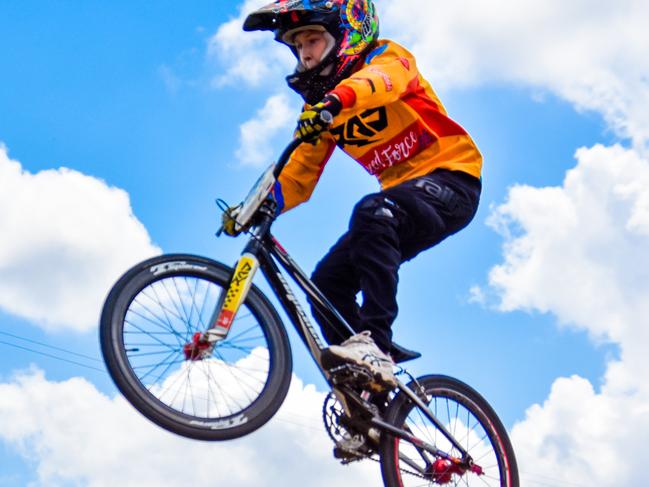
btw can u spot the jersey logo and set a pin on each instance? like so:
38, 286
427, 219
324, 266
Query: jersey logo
362, 129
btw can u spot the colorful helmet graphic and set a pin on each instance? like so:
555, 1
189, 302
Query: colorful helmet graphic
353, 24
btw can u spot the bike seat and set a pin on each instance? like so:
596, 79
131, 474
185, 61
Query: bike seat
400, 354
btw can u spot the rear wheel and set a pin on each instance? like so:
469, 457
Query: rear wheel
149, 328
469, 419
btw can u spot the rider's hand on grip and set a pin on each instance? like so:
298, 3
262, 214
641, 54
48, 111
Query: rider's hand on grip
315, 120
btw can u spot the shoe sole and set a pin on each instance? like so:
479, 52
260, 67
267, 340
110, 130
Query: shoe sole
331, 360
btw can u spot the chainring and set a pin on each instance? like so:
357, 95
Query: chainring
332, 412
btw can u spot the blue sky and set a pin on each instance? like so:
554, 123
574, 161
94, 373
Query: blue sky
536, 304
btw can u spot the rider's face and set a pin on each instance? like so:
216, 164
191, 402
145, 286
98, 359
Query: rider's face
310, 45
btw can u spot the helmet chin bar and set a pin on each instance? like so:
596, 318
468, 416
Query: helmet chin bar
327, 70
313, 84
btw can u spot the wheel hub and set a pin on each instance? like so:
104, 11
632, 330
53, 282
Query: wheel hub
198, 349
442, 471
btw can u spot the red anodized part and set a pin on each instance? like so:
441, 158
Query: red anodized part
443, 471
197, 348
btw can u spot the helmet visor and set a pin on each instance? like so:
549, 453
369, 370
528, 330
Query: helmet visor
267, 17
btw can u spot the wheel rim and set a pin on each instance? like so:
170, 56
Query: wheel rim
161, 319
418, 468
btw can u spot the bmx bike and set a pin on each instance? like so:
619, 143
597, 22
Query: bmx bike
197, 348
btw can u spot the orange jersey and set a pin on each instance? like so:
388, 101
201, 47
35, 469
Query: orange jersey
392, 123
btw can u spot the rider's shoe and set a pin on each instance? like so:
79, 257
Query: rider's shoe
362, 351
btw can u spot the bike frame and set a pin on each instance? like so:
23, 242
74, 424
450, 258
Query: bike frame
264, 252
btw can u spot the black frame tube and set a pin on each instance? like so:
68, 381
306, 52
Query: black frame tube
266, 249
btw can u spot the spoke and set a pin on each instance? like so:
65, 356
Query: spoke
168, 326
422, 453
204, 300
130, 332
189, 384
178, 313
182, 409
145, 354
248, 330
241, 340
192, 305
448, 413
160, 323
160, 364
411, 463
166, 309
170, 387
144, 332
241, 382
231, 346
162, 318
180, 300
466, 428
208, 375
199, 311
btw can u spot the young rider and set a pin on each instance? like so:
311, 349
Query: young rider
387, 118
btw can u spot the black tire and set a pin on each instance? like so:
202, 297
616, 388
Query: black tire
154, 310
468, 417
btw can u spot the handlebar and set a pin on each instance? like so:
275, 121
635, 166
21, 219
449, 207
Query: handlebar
326, 117
283, 159
243, 212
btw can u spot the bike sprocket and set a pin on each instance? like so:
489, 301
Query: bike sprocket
332, 412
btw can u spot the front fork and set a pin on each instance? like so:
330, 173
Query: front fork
202, 344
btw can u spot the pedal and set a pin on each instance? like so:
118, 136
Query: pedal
350, 374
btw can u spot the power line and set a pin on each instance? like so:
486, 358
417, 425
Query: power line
547, 481
94, 359
281, 417
52, 356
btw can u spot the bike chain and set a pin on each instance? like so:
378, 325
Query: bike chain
374, 457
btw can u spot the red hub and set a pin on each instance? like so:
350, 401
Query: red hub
442, 471
198, 348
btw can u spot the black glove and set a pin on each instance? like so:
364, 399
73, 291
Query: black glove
311, 124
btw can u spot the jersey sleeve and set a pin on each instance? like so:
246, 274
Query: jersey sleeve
302, 172
387, 75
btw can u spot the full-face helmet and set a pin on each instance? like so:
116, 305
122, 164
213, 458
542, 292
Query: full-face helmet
352, 24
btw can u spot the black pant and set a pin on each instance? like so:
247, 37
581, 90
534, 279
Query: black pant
385, 230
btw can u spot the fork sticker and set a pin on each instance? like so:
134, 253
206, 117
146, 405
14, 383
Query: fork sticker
238, 290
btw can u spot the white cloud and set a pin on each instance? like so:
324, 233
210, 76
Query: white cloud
576, 251
579, 252
581, 437
75, 435
592, 54
66, 238
580, 244
255, 135
249, 57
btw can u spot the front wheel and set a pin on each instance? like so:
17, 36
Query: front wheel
148, 324
468, 418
